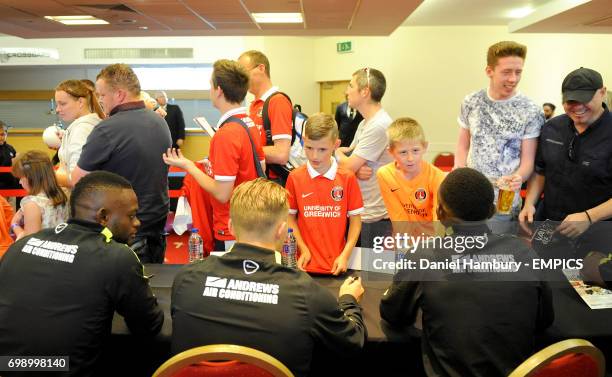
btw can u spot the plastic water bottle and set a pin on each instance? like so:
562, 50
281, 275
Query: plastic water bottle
196, 246
288, 256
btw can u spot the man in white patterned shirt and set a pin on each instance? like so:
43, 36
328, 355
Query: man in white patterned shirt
499, 126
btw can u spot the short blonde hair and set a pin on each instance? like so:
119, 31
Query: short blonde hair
405, 129
321, 125
503, 49
257, 58
258, 204
120, 76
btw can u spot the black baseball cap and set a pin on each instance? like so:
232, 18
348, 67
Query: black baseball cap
581, 84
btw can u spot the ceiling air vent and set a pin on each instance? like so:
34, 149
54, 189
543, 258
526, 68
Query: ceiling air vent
113, 7
138, 53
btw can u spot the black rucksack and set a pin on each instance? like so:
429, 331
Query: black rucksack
296, 153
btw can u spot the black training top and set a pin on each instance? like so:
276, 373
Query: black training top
176, 123
246, 298
577, 167
130, 143
476, 322
7, 153
60, 288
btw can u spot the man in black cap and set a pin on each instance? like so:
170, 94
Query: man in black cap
574, 160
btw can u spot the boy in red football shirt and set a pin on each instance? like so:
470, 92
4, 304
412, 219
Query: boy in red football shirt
321, 197
231, 159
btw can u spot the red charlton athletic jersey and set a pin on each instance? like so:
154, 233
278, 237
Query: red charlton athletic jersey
323, 203
280, 113
231, 158
413, 199
201, 208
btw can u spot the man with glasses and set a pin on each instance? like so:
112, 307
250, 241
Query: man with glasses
574, 160
368, 151
279, 113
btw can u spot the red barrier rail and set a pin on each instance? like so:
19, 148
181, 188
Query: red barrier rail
22, 192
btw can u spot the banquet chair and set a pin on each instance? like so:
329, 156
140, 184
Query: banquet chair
222, 360
568, 358
444, 160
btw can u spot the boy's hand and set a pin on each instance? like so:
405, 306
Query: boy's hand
364, 172
174, 157
339, 266
303, 260
352, 286
344, 150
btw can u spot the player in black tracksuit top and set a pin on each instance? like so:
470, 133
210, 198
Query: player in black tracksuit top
60, 288
478, 322
247, 298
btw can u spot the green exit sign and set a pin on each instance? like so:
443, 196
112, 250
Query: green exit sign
343, 47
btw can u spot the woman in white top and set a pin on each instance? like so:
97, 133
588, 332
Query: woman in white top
76, 103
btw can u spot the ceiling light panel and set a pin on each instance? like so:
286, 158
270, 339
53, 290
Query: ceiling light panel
278, 18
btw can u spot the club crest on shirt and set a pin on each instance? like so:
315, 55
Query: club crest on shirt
420, 194
337, 193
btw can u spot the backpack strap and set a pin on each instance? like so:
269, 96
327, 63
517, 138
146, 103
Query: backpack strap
258, 169
267, 124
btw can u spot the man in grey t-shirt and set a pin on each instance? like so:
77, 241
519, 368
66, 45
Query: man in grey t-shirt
499, 126
368, 151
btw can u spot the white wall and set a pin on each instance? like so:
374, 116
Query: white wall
291, 59
428, 69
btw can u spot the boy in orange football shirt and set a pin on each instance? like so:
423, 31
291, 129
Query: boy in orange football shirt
409, 185
321, 197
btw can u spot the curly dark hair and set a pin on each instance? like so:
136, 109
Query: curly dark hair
93, 185
468, 194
